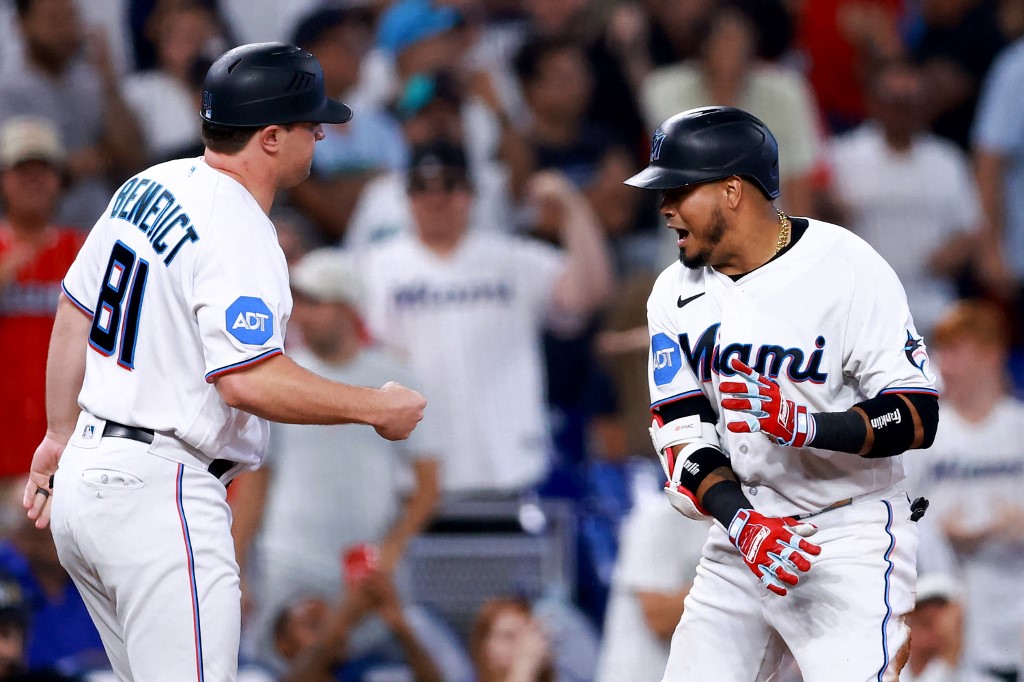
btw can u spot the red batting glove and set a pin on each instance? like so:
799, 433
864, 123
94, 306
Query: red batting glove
763, 408
773, 548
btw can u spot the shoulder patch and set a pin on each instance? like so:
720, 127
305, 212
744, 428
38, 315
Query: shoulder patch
915, 352
666, 355
248, 319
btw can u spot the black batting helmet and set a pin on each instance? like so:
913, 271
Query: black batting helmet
711, 143
263, 84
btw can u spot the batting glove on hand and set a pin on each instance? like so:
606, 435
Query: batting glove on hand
773, 548
765, 409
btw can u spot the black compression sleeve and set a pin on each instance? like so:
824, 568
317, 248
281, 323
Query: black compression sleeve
927, 407
893, 420
840, 431
723, 500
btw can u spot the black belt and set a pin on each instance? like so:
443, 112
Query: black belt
218, 467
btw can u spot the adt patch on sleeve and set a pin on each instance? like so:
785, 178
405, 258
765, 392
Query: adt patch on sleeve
667, 360
248, 319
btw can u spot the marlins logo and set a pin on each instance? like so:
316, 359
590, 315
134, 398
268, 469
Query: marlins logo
915, 352
659, 139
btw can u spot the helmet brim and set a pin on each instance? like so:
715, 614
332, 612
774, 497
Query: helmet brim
332, 111
654, 177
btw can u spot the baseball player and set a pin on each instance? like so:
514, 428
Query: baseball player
786, 379
166, 363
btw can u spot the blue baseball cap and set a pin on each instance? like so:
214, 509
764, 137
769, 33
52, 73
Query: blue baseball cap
408, 22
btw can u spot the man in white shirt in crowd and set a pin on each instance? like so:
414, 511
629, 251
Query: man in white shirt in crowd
467, 307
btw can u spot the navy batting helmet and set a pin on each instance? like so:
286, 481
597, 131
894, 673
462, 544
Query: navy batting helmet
262, 84
711, 143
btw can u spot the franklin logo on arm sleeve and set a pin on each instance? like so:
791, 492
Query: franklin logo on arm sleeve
248, 319
666, 358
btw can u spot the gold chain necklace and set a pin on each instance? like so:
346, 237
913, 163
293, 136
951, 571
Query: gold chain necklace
784, 229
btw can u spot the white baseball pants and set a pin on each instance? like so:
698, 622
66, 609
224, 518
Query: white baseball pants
147, 541
844, 622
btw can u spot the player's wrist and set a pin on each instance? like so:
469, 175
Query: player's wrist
839, 431
724, 500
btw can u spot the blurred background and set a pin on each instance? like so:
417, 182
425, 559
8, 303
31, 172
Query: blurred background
468, 233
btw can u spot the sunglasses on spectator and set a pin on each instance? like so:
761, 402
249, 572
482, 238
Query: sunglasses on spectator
444, 182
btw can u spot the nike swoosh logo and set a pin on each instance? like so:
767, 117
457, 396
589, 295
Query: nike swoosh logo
683, 301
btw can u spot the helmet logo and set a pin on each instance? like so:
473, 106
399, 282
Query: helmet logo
207, 104
656, 142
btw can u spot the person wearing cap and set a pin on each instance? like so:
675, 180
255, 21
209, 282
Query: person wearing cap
467, 307
936, 624
430, 107
973, 477
70, 80
166, 366
376, 491
34, 255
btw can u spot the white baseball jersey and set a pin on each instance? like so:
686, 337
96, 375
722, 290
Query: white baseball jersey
184, 279
828, 319
470, 327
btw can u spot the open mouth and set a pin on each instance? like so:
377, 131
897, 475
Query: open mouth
683, 234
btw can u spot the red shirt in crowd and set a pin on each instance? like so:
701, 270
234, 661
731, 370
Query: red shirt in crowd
27, 308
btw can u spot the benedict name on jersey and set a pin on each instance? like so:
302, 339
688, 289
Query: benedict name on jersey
152, 208
706, 357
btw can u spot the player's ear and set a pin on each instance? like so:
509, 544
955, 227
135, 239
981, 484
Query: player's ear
732, 189
270, 138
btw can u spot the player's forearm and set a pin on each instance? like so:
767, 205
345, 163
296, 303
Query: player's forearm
280, 390
880, 427
721, 496
65, 369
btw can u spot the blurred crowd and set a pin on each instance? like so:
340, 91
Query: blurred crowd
468, 233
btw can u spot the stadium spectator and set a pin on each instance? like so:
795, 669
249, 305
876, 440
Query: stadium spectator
81, 96
907, 192
615, 51
842, 41
369, 490
558, 83
467, 307
315, 639
936, 622
13, 628
60, 631
956, 44
998, 149
165, 100
352, 154
509, 645
973, 475
676, 29
645, 604
728, 73
34, 255
430, 107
